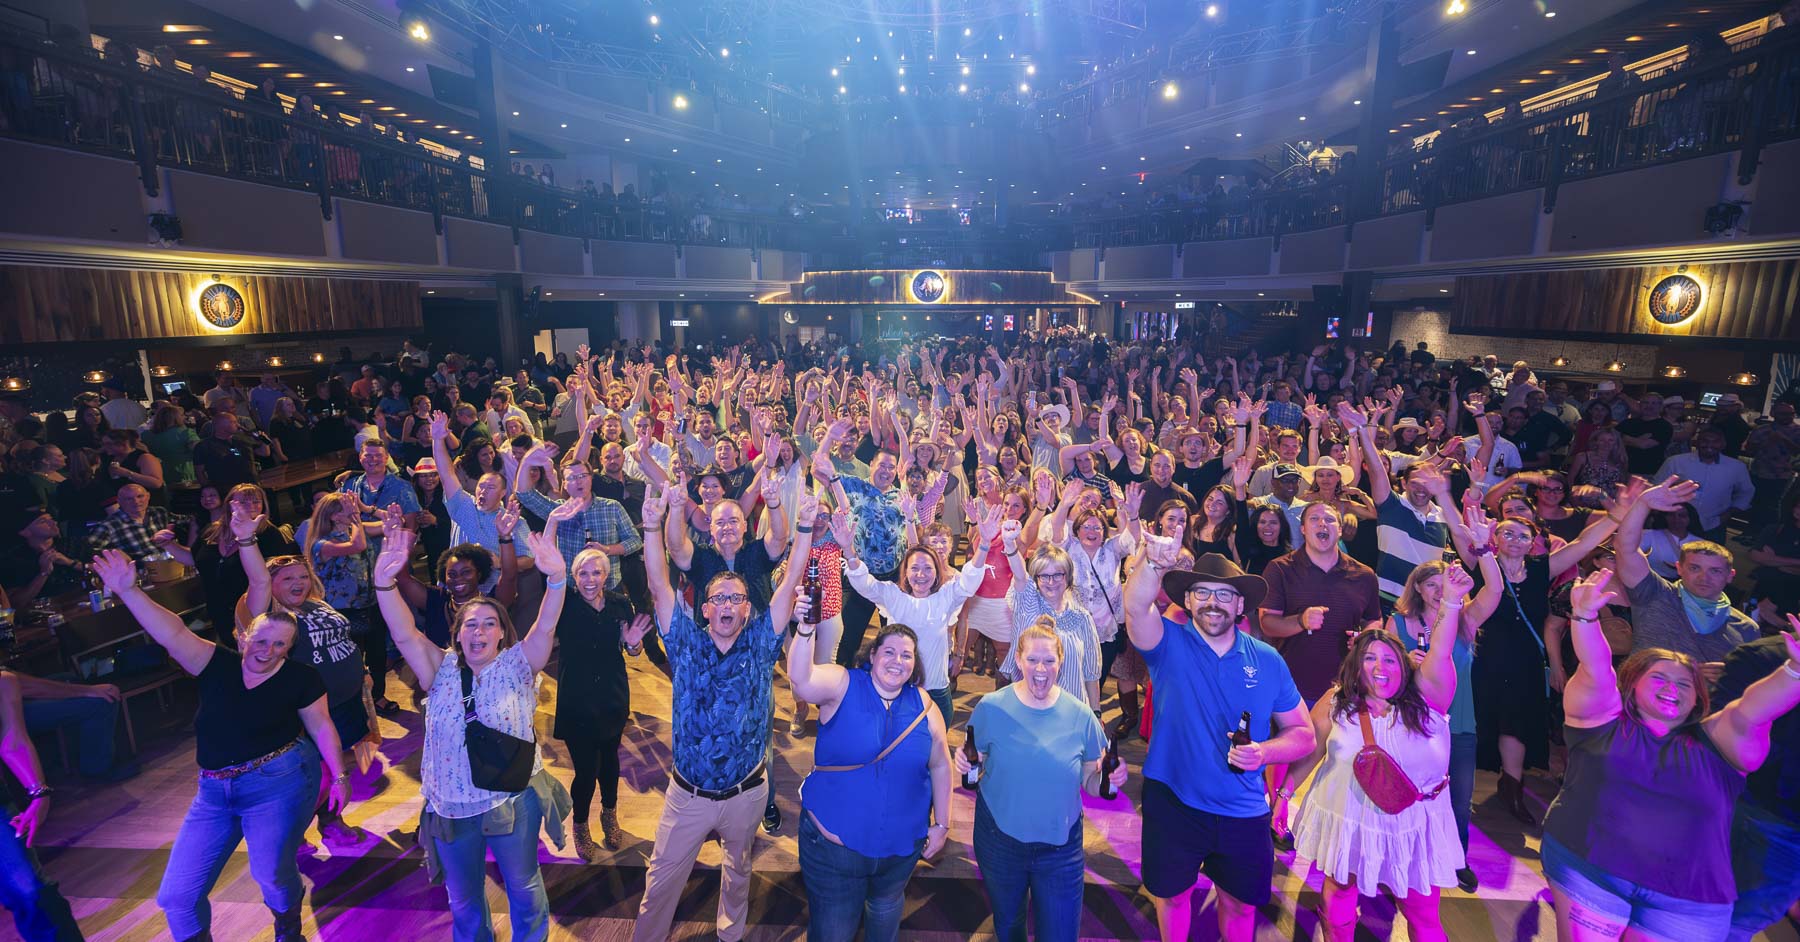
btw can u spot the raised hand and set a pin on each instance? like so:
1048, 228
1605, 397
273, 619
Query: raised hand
1009, 534
987, 525
1588, 597
808, 512
116, 571
1134, 499
546, 553
1163, 551
1481, 528
395, 556
653, 510
1351, 419
245, 527
633, 633
506, 521
1071, 490
1457, 584
440, 426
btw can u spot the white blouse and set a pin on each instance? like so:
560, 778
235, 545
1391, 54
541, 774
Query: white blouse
505, 700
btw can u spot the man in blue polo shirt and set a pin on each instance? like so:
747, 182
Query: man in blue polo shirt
1204, 805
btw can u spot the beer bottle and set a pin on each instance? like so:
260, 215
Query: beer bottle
1107, 766
971, 778
1241, 736
815, 593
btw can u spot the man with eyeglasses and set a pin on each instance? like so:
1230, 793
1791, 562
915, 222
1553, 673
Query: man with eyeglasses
1204, 806
720, 709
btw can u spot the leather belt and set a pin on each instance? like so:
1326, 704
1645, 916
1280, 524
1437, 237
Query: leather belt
748, 782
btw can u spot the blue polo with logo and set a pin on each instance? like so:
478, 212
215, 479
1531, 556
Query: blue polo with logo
1198, 697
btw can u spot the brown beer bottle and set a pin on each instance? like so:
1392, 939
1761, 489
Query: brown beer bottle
1108, 765
815, 593
971, 778
1241, 736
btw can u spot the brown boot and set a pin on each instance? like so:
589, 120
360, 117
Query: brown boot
610, 836
585, 848
1512, 795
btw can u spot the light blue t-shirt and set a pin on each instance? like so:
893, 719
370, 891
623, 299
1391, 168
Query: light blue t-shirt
1199, 698
1031, 776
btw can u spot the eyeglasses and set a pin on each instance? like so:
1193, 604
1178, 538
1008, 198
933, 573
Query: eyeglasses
728, 598
1053, 574
1222, 595
1515, 536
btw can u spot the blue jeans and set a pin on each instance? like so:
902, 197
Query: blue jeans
1639, 907
845, 888
1052, 873
38, 909
268, 810
1765, 852
95, 721
1462, 783
464, 857
943, 698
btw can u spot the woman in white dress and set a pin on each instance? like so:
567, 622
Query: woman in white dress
1357, 846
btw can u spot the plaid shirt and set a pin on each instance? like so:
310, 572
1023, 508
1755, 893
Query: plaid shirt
120, 532
1283, 414
604, 521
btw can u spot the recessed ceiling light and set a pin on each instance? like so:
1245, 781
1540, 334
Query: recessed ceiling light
411, 69
628, 140
268, 65
1240, 134
1357, 102
1303, 117
565, 124
1549, 14
515, 114
337, 37
1471, 52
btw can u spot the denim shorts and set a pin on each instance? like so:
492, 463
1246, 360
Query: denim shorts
1669, 917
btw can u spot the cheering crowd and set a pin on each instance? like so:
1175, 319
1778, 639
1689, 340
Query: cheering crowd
1327, 588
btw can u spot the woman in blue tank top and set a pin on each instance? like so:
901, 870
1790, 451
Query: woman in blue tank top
878, 797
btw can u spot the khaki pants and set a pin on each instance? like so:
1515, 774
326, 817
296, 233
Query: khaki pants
686, 821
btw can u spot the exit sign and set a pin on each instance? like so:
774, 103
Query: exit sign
1184, 305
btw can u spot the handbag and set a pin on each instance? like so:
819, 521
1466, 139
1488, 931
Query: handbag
498, 762
1382, 779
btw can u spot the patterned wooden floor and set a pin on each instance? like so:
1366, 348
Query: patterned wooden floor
108, 845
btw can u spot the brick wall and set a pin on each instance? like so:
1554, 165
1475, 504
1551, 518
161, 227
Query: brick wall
1433, 327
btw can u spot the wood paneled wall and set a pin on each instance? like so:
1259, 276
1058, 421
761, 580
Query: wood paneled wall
55, 305
1743, 300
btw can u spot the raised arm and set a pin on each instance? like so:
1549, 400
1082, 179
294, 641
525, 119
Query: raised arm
1633, 566
396, 555
540, 643
243, 532
1591, 697
656, 560
1380, 488
781, 602
1741, 729
1155, 555
1437, 675
119, 574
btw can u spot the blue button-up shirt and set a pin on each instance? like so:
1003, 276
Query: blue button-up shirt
1283, 414
880, 527
722, 699
604, 521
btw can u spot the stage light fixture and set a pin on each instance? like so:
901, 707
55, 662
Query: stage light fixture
1031, 70
1169, 91
724, 53
962, 89
1024, 88
1212, 11
681, 103
1456, 8
842, 90
834, 71
655, 20
416, 27
965, 70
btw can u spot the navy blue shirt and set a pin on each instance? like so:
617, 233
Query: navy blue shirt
1198, 698
722, 699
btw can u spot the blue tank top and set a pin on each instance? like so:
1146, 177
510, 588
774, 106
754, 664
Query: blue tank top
1462, 706
881, 809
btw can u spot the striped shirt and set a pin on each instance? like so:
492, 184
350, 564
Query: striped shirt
1407, 537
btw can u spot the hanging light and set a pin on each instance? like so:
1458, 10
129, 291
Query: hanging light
318, 357
1615, 366
224, 366
161, 372
1673, 372
15, 384
275, 361
1743, 379
1559, 361
94, 377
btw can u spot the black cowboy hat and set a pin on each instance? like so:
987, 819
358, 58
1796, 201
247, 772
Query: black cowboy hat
1213, 567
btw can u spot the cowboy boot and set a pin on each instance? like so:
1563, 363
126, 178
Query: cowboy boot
610, 836
287, 926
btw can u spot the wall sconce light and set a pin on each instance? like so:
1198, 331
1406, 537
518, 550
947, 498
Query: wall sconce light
161, 372
1673, 372
1743, 379
94, 377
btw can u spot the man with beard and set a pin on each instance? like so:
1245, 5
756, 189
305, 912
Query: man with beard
1203, 802
720, 707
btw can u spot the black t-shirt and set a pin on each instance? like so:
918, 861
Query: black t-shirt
1199, 480
19, 565
1645, 461
227, 463
236, 724
628, 492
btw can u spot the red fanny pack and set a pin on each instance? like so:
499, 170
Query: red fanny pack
1382, 779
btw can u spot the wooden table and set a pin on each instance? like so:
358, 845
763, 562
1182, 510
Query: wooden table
298, 477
